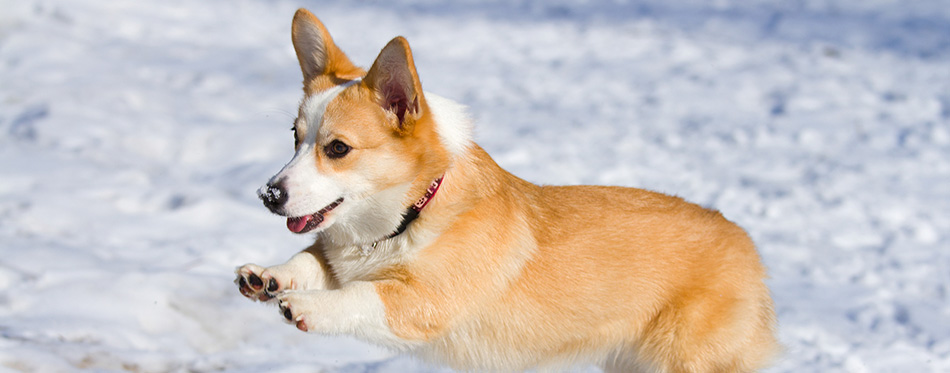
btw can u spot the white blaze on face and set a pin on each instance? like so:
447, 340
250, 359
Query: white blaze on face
308, 190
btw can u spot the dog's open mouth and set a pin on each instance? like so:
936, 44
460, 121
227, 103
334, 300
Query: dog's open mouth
307, 223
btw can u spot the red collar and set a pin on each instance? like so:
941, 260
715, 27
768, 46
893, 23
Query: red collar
413, 211
430, 191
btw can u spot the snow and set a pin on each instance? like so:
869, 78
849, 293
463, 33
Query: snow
133, 136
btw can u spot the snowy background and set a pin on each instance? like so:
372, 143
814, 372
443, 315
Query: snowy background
133, 135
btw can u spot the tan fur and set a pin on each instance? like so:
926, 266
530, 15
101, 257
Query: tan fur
501, 274
321, 67
554, 273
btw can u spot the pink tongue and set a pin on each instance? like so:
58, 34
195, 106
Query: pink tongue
297, 225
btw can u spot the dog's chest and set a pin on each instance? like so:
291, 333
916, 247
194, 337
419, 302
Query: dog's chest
366, 263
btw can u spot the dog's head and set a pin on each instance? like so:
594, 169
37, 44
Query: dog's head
367, 143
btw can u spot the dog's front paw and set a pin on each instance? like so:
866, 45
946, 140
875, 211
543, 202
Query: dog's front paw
298, 308
258, 283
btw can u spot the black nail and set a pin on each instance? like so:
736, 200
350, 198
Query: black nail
287, 314
242, 286
272, 285
256, 282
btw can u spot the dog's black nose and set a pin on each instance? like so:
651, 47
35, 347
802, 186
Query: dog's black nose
273, 195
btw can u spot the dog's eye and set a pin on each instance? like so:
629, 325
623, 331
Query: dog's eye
337, 149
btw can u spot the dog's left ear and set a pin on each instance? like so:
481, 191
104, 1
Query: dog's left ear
398, 90
316, 52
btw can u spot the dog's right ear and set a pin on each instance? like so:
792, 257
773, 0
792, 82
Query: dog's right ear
394, 79
317, 53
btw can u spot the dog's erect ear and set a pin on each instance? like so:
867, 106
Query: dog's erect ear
317, 53
394, 79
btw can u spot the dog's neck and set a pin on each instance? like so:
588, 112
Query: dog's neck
356, 231
413, 211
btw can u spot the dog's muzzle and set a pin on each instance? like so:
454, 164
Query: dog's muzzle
273, 195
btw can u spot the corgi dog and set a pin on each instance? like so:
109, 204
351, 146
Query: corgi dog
424, 244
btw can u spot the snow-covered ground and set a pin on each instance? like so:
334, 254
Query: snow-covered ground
133, 135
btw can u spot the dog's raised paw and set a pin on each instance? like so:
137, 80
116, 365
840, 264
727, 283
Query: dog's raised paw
287, 311
257, 283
